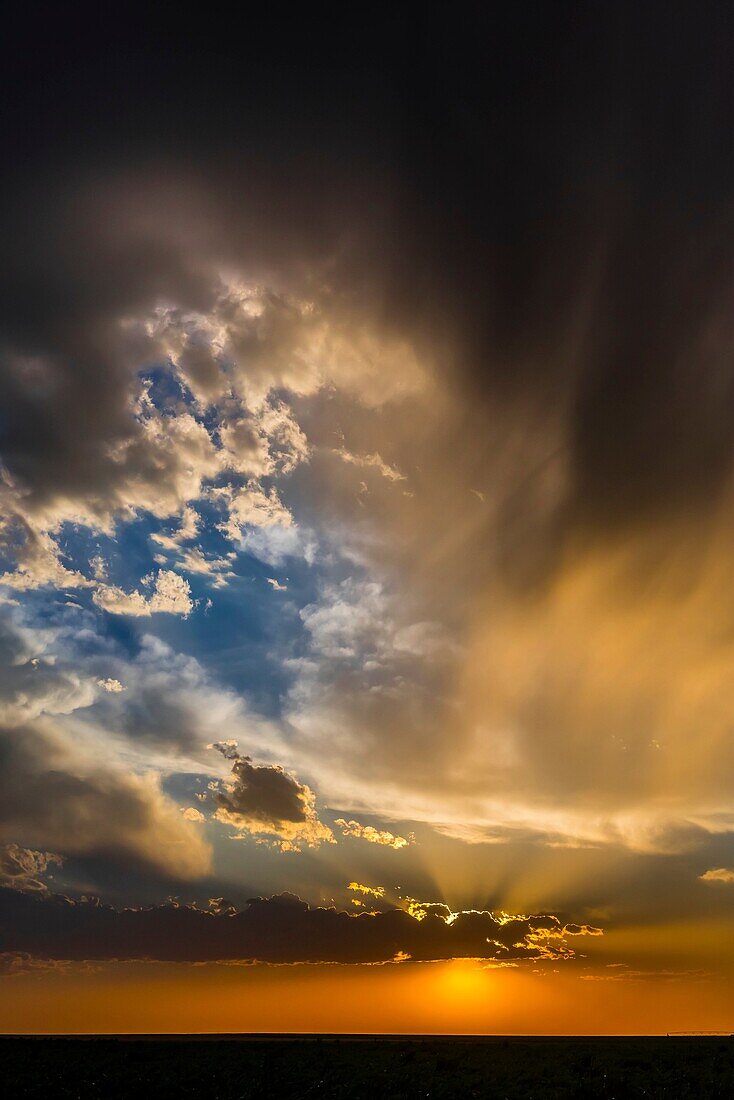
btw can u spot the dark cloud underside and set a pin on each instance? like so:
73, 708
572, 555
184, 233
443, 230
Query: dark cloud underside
549, 189
280, 929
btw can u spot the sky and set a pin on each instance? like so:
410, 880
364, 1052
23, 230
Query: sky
366, 586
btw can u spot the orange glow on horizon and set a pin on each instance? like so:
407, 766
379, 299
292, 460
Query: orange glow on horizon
412, 998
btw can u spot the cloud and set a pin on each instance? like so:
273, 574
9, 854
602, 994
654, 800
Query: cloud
348, 621
375, 461
38, 558
570, 358
279, 929
251, 506
188, 529
192, 814
158, 462
724, 875
265, 800
110, 685
355, 620
192, 560
621, 973
372, 891
374, 836
275, 543
33, 682
52, 796
13, 963
174, 706
23, 868
265, 340
171, 595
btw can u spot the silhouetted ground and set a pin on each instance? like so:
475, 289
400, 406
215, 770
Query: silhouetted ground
237, 1067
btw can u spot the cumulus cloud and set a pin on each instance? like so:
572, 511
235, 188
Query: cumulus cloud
171, 595
158, 462
265, 800
280, 929
374, 836
23, 868
275, 543
723, 875
38, 558
348, 621
111, 686
251, 506
192, 814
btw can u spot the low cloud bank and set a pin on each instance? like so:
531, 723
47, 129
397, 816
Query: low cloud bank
279, 929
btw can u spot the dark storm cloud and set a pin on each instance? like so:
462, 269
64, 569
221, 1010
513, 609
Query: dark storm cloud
50, 795
280, 929
547, 191
265, 798
265, 793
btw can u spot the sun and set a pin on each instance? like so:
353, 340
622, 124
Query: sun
465, 982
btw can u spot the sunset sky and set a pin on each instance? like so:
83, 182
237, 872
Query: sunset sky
367, 512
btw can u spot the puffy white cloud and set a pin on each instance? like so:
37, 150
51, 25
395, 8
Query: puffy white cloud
348, 621
275, 544
251, 506
266, 441
171, 595
118, 602
38, 558
258, 521
287, 444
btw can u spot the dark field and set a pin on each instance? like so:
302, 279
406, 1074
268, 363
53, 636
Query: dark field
360, 1067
